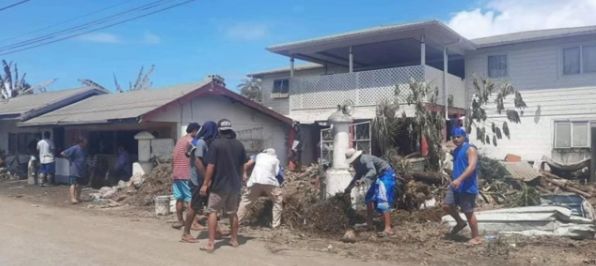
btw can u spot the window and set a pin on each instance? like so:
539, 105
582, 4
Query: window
571, 61
281, 87
497, 66
589, 58
572, 134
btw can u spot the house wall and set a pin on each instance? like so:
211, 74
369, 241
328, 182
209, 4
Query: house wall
536, 69
202, 109
532, 66
10, 126
282, 105
534, 136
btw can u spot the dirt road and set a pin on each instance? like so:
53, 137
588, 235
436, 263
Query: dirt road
35, 234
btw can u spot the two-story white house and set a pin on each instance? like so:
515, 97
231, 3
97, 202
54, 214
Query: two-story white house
554, 69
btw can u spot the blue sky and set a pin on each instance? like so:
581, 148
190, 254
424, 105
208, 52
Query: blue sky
222, 37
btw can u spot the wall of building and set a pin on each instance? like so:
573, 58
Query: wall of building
10, 126
282, 105
201, 109
532, 66
534, 136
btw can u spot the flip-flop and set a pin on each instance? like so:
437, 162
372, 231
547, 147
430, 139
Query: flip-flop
189, 239
234, 244
206, 249
385, 235
473, 242
457, 228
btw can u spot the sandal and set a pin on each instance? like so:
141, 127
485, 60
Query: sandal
188, 239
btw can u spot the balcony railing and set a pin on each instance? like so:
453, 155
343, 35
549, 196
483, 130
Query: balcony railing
364, 88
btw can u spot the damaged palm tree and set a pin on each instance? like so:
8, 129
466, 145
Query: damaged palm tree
13, 85
392, 134
485, 93
143, 81
428, 123
251, 88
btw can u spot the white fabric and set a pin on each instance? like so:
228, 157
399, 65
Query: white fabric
46, 151
265, 169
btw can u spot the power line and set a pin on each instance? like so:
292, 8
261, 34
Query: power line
81, 27
88, 27
14, 4
63, 22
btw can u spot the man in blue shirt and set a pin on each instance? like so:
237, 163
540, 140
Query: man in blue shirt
463, 190
78, 166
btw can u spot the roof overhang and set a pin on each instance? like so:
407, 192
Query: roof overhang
433, 32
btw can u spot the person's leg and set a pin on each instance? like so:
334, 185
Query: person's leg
449, 206
247, 198
388, 227
73, 198
467, 204
180, 211
231, 209
276, 196
213, 205
474, 228
179, 196
190, 217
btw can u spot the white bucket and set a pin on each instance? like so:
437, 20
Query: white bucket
162, 205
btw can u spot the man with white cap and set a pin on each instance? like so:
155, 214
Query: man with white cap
381, 194
263, 181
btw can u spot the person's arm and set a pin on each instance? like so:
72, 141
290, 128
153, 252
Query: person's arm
200, 166
66, 153
246, 168
371, 172
472, 161
207, 182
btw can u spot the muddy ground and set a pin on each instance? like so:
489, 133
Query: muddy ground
420, 237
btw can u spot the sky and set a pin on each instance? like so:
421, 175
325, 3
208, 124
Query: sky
229, 38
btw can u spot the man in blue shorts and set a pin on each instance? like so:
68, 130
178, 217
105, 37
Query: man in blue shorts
463, 190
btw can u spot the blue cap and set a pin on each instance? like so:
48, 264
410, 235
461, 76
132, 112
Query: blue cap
458, 131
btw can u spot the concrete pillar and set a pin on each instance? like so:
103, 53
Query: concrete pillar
338, 176
351, 60
292, 67
144, 143
445, 90
422, 51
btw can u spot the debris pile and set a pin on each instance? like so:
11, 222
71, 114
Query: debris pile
156, 183
137, 191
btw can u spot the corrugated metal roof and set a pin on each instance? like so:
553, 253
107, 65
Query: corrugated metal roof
521, 171
115, 106
535, 35
367, 32
20, 105
287, 69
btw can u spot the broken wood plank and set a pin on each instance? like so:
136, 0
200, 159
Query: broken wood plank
551, 178
432, 178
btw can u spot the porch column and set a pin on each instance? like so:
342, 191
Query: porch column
422, 51
445, 90
351, 59
292, 67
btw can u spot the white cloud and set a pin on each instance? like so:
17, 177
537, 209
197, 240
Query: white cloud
247, 31
151, 38
504, 16
100, 37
